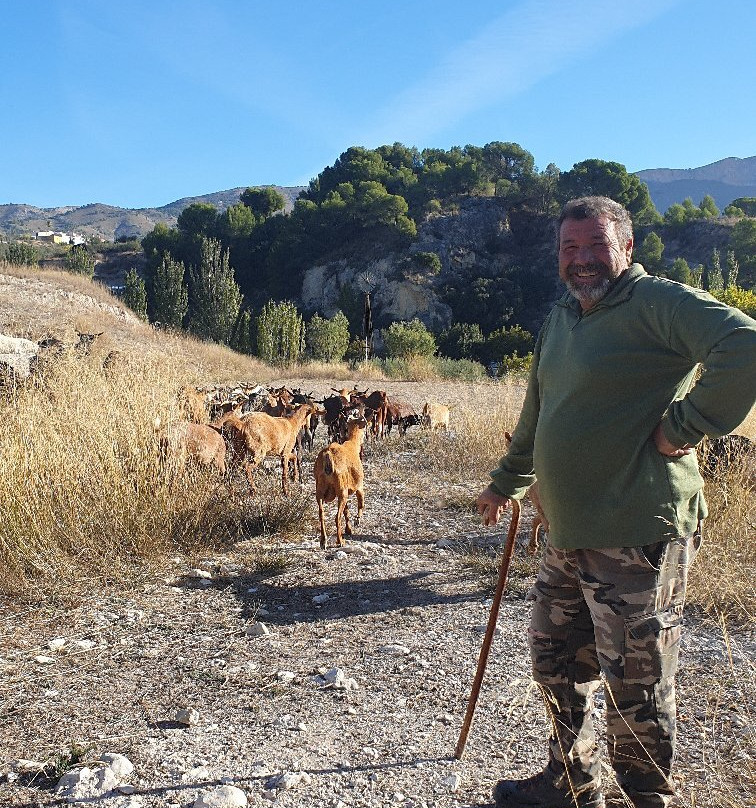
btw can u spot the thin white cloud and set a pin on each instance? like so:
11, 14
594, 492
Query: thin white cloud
534, 40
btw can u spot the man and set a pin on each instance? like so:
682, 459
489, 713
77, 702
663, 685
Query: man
608, 426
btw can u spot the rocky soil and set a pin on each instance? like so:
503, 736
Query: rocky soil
334, 679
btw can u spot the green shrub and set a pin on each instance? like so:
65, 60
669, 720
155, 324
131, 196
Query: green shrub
515, 364
743, 299
404, 339
429, 261
21, 253
426, 368
80, 261
328, 339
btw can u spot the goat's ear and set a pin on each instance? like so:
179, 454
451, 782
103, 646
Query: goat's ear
508, 436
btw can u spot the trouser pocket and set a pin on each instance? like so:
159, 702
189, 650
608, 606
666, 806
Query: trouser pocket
652, 644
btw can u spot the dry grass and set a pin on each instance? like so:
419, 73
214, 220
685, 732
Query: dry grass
81, 487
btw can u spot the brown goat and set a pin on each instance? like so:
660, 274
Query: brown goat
257, 435
185, 441
193, 404
339, 473
435, 416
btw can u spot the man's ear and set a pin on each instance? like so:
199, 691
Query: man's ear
629, 251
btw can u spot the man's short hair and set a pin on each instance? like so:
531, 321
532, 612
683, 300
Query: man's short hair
591, 207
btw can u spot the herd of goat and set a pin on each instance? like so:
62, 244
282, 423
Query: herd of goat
248, 425
243, 427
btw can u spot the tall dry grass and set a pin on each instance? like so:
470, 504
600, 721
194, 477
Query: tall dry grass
81, 486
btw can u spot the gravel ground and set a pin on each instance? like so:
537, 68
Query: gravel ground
400, 614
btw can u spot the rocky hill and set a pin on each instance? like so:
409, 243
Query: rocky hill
110, 223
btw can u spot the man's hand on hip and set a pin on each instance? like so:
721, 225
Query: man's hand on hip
491, 506
666, 448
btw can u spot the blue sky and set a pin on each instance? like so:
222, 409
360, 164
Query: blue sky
139, 103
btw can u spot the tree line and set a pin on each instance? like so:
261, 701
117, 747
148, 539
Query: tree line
216, 274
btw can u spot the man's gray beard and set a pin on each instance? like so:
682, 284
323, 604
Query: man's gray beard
590, 295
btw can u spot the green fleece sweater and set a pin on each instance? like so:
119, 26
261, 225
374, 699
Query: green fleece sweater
600, 383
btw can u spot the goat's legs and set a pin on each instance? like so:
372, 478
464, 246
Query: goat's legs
285, 473
533, 543
321, 516
360, 496
342, 510
248, 467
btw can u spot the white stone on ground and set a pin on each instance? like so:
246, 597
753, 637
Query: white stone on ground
222, 797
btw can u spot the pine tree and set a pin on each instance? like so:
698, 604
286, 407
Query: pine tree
135, 294
680, 272
649, 253
215, 297
708, 207
170, 297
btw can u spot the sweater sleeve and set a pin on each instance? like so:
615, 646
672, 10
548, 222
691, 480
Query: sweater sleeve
723, 340
514, 474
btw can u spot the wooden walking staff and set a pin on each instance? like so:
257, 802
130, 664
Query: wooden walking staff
501, 585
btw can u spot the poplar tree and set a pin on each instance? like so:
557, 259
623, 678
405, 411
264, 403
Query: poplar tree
732, 268
214, 295
135, 294
280, 333
713, 279
170, 296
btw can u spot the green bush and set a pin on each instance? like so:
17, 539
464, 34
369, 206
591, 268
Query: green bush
743, 299
426, 368
21, 253
328, 339
405, 339
463, 370
429, 261
506, 342
80, 261
515, 364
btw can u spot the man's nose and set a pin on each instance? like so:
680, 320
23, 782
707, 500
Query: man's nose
584, 255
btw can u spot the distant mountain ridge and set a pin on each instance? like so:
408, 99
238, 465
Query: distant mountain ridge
109, 222
724, 180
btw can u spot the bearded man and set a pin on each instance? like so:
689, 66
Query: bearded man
608, 427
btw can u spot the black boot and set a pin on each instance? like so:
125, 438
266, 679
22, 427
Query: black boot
539, 791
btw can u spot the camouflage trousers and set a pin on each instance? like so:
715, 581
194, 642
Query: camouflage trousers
614, 614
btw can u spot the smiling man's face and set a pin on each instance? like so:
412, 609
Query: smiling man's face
591, 258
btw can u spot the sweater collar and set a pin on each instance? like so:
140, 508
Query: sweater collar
619, 293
